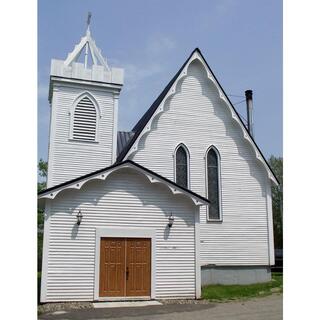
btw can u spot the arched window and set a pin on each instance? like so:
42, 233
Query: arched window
84, 121
182, 166
213, 184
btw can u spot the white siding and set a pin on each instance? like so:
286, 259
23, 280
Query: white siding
196, 116
125, 199
68, 158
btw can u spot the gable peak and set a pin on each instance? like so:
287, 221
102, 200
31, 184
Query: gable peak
196, 52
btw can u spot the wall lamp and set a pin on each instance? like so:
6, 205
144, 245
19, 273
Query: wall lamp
79, 217
171, 219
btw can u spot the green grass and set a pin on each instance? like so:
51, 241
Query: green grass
232, 292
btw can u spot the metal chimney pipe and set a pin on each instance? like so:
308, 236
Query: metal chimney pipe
248, 94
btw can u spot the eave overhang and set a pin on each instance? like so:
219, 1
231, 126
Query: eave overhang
102, 174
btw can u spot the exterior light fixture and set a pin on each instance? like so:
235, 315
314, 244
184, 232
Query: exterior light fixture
79, 217
171, 219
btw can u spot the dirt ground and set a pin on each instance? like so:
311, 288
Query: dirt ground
267, 308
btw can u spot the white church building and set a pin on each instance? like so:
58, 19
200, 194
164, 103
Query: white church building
180, 201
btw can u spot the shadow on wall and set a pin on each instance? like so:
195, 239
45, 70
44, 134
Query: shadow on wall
143, 198
74, 231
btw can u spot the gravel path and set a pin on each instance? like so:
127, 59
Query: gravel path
65, 306
266, 308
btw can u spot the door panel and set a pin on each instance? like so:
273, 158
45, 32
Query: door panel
138, 267
125, 267
112, 267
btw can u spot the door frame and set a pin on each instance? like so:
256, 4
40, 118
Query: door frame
119, 232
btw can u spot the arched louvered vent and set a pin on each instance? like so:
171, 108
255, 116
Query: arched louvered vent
85, 121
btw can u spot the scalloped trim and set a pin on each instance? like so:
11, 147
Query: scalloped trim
222, 97
103, 176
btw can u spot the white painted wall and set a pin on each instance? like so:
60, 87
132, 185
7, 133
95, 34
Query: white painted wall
126, 199
70, 159
196, 116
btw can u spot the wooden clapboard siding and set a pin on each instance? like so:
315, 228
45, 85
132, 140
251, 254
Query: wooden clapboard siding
70, 158
125, 199
196, 116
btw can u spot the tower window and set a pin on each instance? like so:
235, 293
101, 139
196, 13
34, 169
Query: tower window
181, 166
213, 184
84, 121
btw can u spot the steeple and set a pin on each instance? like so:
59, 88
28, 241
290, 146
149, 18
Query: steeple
84, 101
74, 69
88, 44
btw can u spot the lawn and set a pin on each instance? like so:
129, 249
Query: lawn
232, 292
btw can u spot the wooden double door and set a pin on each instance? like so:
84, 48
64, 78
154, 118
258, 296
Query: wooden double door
125, 267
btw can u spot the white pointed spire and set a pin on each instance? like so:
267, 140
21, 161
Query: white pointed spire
88, 43
74, 70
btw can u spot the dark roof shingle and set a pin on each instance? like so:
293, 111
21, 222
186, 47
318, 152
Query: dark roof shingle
123, 138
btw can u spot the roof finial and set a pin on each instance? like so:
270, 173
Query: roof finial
88, 22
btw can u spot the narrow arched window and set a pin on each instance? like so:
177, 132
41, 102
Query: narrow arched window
84, 120
182, 167
213, 184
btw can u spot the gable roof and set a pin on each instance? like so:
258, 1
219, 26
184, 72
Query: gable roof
102, 174
141, 124
137, 129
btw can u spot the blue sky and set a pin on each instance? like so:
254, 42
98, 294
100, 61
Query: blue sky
151, 39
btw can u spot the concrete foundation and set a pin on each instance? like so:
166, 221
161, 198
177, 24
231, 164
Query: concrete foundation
211, 274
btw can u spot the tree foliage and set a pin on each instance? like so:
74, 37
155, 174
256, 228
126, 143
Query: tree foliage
276, 164
42, 172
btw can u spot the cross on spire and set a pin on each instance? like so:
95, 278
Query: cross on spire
89, 18
88, 21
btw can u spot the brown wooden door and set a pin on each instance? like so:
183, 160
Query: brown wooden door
125, 267
112, 267
138, 267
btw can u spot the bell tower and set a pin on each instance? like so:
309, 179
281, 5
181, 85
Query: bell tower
84, 112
